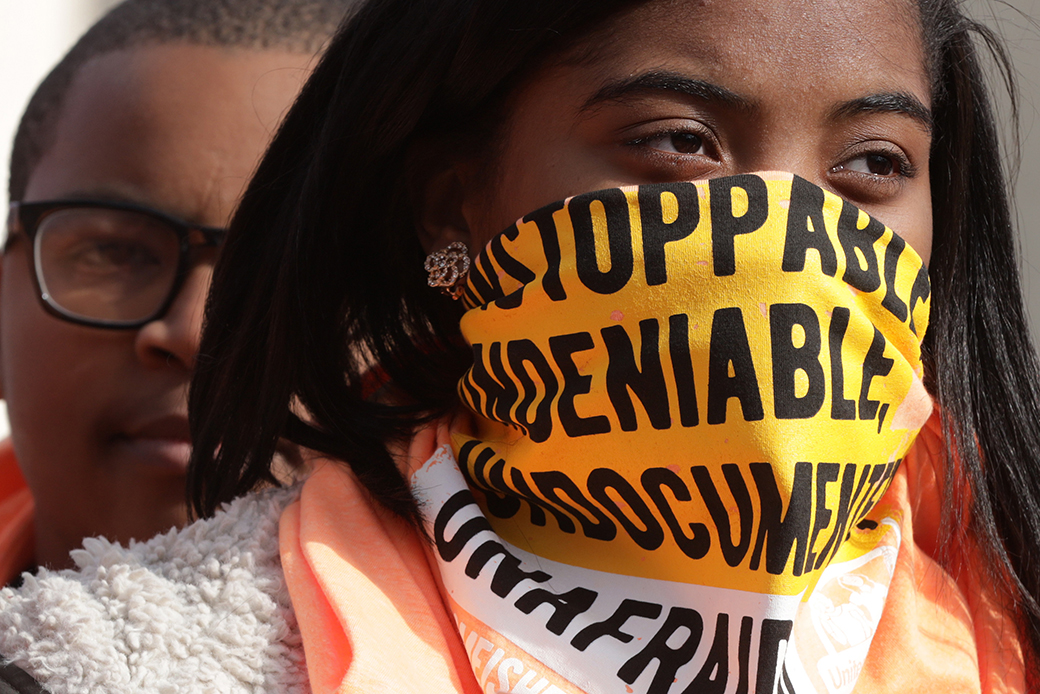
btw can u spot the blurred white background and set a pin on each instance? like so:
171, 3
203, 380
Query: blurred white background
34, 34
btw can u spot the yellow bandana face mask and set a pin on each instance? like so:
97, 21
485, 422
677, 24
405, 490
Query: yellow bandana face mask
687, 400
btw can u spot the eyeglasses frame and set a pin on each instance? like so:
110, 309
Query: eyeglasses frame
25, 217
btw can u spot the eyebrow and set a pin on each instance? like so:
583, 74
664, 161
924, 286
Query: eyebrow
662, 81
653, 82
902, 103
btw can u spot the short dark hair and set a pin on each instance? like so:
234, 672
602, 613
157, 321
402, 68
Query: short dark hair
295, 25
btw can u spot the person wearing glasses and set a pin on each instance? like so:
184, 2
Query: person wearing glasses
126, 167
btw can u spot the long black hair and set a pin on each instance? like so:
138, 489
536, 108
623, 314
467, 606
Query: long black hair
322, 275
980, 362
323, 252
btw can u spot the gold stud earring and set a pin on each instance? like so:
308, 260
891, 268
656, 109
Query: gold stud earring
448, 269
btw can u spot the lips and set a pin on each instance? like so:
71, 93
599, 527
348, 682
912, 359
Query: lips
171, 427
163, 443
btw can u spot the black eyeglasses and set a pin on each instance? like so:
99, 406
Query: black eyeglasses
107, 264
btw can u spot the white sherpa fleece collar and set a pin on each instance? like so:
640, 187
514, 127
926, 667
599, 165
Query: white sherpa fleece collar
203, 609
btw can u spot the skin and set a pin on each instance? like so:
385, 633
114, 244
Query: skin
99, 417
832, 90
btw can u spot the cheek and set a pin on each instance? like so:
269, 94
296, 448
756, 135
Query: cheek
47, 381
543, 158
537, 177
922, 241
525, 178
910, 216
916, 225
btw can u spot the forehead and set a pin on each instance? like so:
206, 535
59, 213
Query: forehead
178, 127
777, 47
804, 29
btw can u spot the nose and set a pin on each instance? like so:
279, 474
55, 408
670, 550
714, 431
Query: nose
784, 146
791, 158
173, 340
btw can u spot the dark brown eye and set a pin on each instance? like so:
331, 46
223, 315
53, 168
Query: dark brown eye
686, 143
676, 143
880, 165
875, 164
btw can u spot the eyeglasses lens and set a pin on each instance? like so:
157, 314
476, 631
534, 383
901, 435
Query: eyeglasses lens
109, 265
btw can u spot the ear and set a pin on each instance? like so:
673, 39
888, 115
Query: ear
440, 198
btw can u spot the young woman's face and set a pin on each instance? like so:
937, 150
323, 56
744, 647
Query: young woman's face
835, 91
